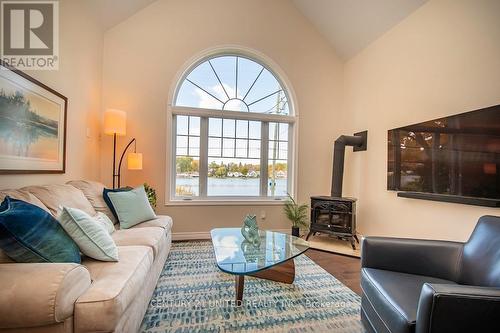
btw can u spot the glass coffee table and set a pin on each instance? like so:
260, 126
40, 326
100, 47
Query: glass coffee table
271, 260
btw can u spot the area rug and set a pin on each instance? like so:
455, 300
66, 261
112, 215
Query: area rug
193, 295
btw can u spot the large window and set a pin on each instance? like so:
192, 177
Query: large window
233, 132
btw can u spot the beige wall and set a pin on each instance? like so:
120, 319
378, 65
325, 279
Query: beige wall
79, 79
442, 60
143, 55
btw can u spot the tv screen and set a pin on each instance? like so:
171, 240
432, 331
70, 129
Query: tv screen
457, 155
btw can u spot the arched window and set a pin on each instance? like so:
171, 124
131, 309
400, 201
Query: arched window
233, 132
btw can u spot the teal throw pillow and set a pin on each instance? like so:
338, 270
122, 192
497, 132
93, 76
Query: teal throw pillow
132, 207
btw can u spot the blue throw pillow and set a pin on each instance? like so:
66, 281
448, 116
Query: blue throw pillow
107, 200
30, 234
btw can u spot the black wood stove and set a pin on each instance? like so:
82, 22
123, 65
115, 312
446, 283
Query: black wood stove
336, 215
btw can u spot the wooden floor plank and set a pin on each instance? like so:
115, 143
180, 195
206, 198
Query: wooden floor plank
345, 269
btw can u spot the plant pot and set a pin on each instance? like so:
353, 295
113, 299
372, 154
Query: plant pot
295, 231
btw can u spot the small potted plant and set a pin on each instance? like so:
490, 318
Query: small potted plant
297, 214
151, 193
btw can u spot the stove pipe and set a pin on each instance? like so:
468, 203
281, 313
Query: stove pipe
358, 142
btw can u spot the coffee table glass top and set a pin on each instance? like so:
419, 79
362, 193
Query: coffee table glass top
236, 256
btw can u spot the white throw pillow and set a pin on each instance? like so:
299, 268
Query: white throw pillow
89, 234
105, 222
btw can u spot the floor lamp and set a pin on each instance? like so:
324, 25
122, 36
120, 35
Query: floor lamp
115, 123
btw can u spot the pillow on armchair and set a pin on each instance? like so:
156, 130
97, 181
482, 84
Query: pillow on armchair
30, 234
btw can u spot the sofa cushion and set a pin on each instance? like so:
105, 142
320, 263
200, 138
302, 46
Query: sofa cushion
54, 196
114, 287
93, 191
394, 296
151, 237
24, 196
161, 221
30, 234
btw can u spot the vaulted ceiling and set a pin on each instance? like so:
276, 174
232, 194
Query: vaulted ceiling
350, 25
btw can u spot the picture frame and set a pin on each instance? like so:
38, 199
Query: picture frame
33, 121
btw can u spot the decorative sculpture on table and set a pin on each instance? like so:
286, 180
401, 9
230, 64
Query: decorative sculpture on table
250, 230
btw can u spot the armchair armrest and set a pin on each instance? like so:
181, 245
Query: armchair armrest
458, 308
438, 259
39, 294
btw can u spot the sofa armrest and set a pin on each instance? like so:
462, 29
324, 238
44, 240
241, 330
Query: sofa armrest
458, 308
39, 294
438, 259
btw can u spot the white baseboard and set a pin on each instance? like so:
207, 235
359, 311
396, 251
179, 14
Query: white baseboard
176, 236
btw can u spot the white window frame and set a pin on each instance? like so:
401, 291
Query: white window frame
205, 114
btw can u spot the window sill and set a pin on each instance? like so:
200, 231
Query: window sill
226, 202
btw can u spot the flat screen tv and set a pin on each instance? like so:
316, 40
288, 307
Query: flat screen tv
455, 159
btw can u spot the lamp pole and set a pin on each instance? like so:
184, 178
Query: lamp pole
114, 159
118, 174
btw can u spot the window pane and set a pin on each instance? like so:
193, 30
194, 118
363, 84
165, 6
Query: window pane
204, 77
215, 127
283, 132
187, 176
233, 177
278, 178
229, 128
254, 129
182, 145
194, 146
283, 151
182, 125
194, 126
242, 129
241, 148
226, 70
214, 147
248, 71
254, 148
273, 131
228, 147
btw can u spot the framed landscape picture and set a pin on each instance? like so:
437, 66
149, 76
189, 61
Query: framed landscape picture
32, 125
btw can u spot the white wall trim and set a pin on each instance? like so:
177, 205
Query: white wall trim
177, 236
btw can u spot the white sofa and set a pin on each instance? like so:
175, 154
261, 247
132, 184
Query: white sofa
95, 296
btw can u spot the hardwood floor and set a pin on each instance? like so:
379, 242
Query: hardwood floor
345, 269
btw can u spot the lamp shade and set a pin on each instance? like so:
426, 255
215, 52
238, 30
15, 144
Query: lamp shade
134, 161
115, 122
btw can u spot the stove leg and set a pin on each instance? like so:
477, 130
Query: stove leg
353, 244
356, 238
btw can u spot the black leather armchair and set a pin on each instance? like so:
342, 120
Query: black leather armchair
422, 286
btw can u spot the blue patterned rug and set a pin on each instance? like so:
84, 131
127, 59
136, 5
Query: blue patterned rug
193, 295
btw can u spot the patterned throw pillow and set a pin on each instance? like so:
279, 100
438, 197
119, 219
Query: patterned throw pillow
30, 234
89, 234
